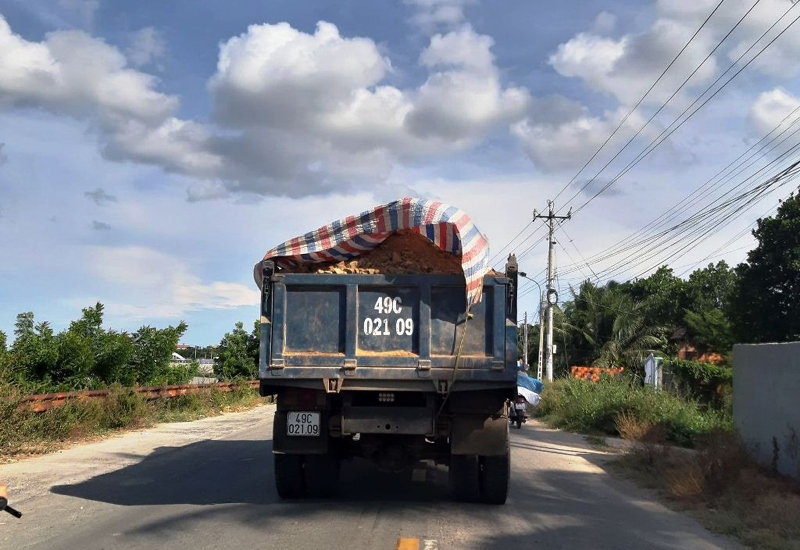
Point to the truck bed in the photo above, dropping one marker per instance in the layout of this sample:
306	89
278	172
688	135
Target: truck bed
359	330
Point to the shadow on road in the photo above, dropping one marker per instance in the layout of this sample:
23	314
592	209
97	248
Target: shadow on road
549	505
238	472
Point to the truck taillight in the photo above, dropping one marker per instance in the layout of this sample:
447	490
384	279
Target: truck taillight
308	398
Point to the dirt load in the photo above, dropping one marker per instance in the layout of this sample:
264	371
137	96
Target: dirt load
403	252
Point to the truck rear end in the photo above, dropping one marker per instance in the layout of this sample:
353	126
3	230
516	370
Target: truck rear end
391	368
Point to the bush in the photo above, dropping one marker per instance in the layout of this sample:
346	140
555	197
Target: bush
614	403
710	384
123	408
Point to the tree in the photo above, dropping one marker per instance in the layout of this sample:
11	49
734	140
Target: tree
237	354
152	353
710	287
34	352
4	366
710	330
708	292
607	327
766	298
663	295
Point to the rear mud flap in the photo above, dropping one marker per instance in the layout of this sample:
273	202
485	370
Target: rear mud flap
479	435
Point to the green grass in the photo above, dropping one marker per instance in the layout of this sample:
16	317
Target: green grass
23	431
598	408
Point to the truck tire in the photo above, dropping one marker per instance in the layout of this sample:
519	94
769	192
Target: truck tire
289	476
322	475
495	472
463	478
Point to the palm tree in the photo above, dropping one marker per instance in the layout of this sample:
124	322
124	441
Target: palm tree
608	328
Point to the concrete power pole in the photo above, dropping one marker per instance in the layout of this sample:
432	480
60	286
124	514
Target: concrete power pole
525	343
541	338
552	295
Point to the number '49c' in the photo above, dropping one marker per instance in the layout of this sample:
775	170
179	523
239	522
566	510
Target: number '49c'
387	304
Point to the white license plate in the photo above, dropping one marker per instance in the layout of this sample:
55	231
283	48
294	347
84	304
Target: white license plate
302	423
519	406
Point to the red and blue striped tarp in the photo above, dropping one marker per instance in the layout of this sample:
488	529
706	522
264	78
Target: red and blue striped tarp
445	226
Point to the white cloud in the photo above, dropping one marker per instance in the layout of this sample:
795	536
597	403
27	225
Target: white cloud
626	67
55	75
604	23
313	109
560	134
146	45
294	113
771	108
160	285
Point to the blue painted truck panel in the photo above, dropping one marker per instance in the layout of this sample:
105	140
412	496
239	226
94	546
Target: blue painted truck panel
385	327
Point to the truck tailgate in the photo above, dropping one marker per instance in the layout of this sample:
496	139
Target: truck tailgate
385	327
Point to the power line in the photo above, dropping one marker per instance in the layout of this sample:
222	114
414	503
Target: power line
663	105
499	254
699	221
672	213
641	99
670	130
738	204
561	226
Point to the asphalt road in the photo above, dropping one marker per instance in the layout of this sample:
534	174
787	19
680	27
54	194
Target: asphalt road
208	485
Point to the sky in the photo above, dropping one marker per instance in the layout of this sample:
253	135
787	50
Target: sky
152	151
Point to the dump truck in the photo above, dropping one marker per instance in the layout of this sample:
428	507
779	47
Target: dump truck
392	366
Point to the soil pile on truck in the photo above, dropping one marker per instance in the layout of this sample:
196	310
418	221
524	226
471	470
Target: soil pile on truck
402	252
386	337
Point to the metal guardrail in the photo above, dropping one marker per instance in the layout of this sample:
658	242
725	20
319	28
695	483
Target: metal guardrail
45	401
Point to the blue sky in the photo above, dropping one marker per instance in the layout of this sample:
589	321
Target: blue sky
152	152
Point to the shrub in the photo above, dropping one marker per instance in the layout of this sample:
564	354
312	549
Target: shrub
122	408
614	403
710	384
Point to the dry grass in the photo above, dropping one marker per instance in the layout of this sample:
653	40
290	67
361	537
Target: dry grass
23	432
724	489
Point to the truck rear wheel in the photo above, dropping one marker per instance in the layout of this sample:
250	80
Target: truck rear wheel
289	476
463	478
495	472
322	475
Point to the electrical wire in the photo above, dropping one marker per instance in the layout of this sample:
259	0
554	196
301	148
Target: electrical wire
731	170
667	132
641	99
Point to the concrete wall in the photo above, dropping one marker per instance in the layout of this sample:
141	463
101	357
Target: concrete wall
766	402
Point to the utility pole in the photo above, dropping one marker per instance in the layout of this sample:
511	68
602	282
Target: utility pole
552	295
541	337
525	343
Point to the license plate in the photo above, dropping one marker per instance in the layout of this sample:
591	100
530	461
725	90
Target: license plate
519	406
302	423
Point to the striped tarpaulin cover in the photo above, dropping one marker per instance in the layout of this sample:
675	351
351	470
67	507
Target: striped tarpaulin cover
446	226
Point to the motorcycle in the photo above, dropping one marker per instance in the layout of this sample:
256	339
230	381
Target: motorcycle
518	411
